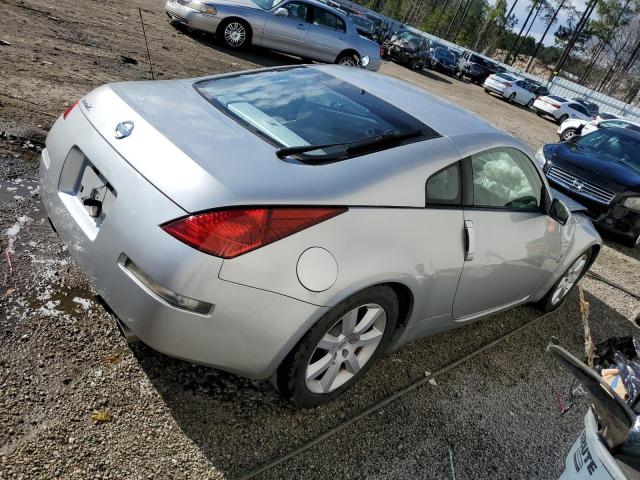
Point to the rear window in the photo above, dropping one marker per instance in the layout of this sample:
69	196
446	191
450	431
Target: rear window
304	106
505	76
558	99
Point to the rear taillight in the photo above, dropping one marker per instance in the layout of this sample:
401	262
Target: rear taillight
69	108
233	232
506	84
555	105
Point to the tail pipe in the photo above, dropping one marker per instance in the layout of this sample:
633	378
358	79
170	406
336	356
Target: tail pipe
126	332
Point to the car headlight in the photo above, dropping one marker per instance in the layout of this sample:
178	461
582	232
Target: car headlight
540	158
203	7
364	61
632	202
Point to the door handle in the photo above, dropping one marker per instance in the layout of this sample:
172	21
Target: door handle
470	240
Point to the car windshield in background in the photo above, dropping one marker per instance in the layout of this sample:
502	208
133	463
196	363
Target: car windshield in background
557	98
445	55
303	106
363	23
612	144
409	39
506	77
267	4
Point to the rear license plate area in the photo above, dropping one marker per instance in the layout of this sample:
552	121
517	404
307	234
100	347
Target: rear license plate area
95	194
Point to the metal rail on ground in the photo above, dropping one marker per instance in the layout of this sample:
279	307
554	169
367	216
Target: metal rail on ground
411	387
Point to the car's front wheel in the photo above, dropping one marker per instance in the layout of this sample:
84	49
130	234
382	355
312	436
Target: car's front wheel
530	103
235	34
348	60
558	293
339	348
568	134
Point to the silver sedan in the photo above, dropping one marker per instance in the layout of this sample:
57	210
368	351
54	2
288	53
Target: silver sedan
296	223
306	28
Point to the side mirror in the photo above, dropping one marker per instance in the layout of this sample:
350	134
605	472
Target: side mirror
559	211
281	12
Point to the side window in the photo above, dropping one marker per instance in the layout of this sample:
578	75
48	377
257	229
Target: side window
443	187
505	178
324	18
340	26
298	11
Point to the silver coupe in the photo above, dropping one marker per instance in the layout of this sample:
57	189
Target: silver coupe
306	28
295	223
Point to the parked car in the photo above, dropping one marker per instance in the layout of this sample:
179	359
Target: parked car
573	126
474	67
443	60
592	108
308	28
365	27
409	49
516	90
538	89
560	109
259	238
601	170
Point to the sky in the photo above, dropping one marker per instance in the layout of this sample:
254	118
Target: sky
522	9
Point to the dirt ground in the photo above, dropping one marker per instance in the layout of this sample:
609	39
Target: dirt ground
61	357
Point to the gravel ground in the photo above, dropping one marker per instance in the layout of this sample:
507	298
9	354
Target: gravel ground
61	357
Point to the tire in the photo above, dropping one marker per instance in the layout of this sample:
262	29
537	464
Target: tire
486	90
348	59
530	103
562	119
549	302
413	64
339	363
632	242
568	134
235	34
512	98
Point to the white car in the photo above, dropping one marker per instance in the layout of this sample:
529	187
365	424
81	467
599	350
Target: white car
512	88
574	126
560	108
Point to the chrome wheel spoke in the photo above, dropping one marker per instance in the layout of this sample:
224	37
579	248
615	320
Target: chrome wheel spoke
369	319
328	379
569	279
349	322
369	338
319	366
352	364
328	342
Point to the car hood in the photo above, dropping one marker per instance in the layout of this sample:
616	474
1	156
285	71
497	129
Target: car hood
616	172
202	159
235	3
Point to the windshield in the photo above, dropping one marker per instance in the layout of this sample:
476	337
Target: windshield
558	99
612	144
304	106
267	4
505	76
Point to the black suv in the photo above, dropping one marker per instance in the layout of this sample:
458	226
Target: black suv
476	68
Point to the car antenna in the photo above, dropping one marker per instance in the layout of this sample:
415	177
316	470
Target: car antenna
144	33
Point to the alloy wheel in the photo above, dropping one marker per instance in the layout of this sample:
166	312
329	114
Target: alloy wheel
569	134
512	98
569	279
345	348
235	34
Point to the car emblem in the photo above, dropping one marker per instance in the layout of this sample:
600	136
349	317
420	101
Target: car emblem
123	129
86	104
577	184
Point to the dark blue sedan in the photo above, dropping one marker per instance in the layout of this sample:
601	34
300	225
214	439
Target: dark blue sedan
601	170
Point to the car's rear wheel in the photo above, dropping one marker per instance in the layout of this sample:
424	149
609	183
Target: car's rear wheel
530	103
512	98
560	290
339	348
413	64
348	60
568	134
235	34
563	118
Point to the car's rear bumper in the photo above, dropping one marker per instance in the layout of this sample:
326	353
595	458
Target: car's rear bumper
543	107
247	331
